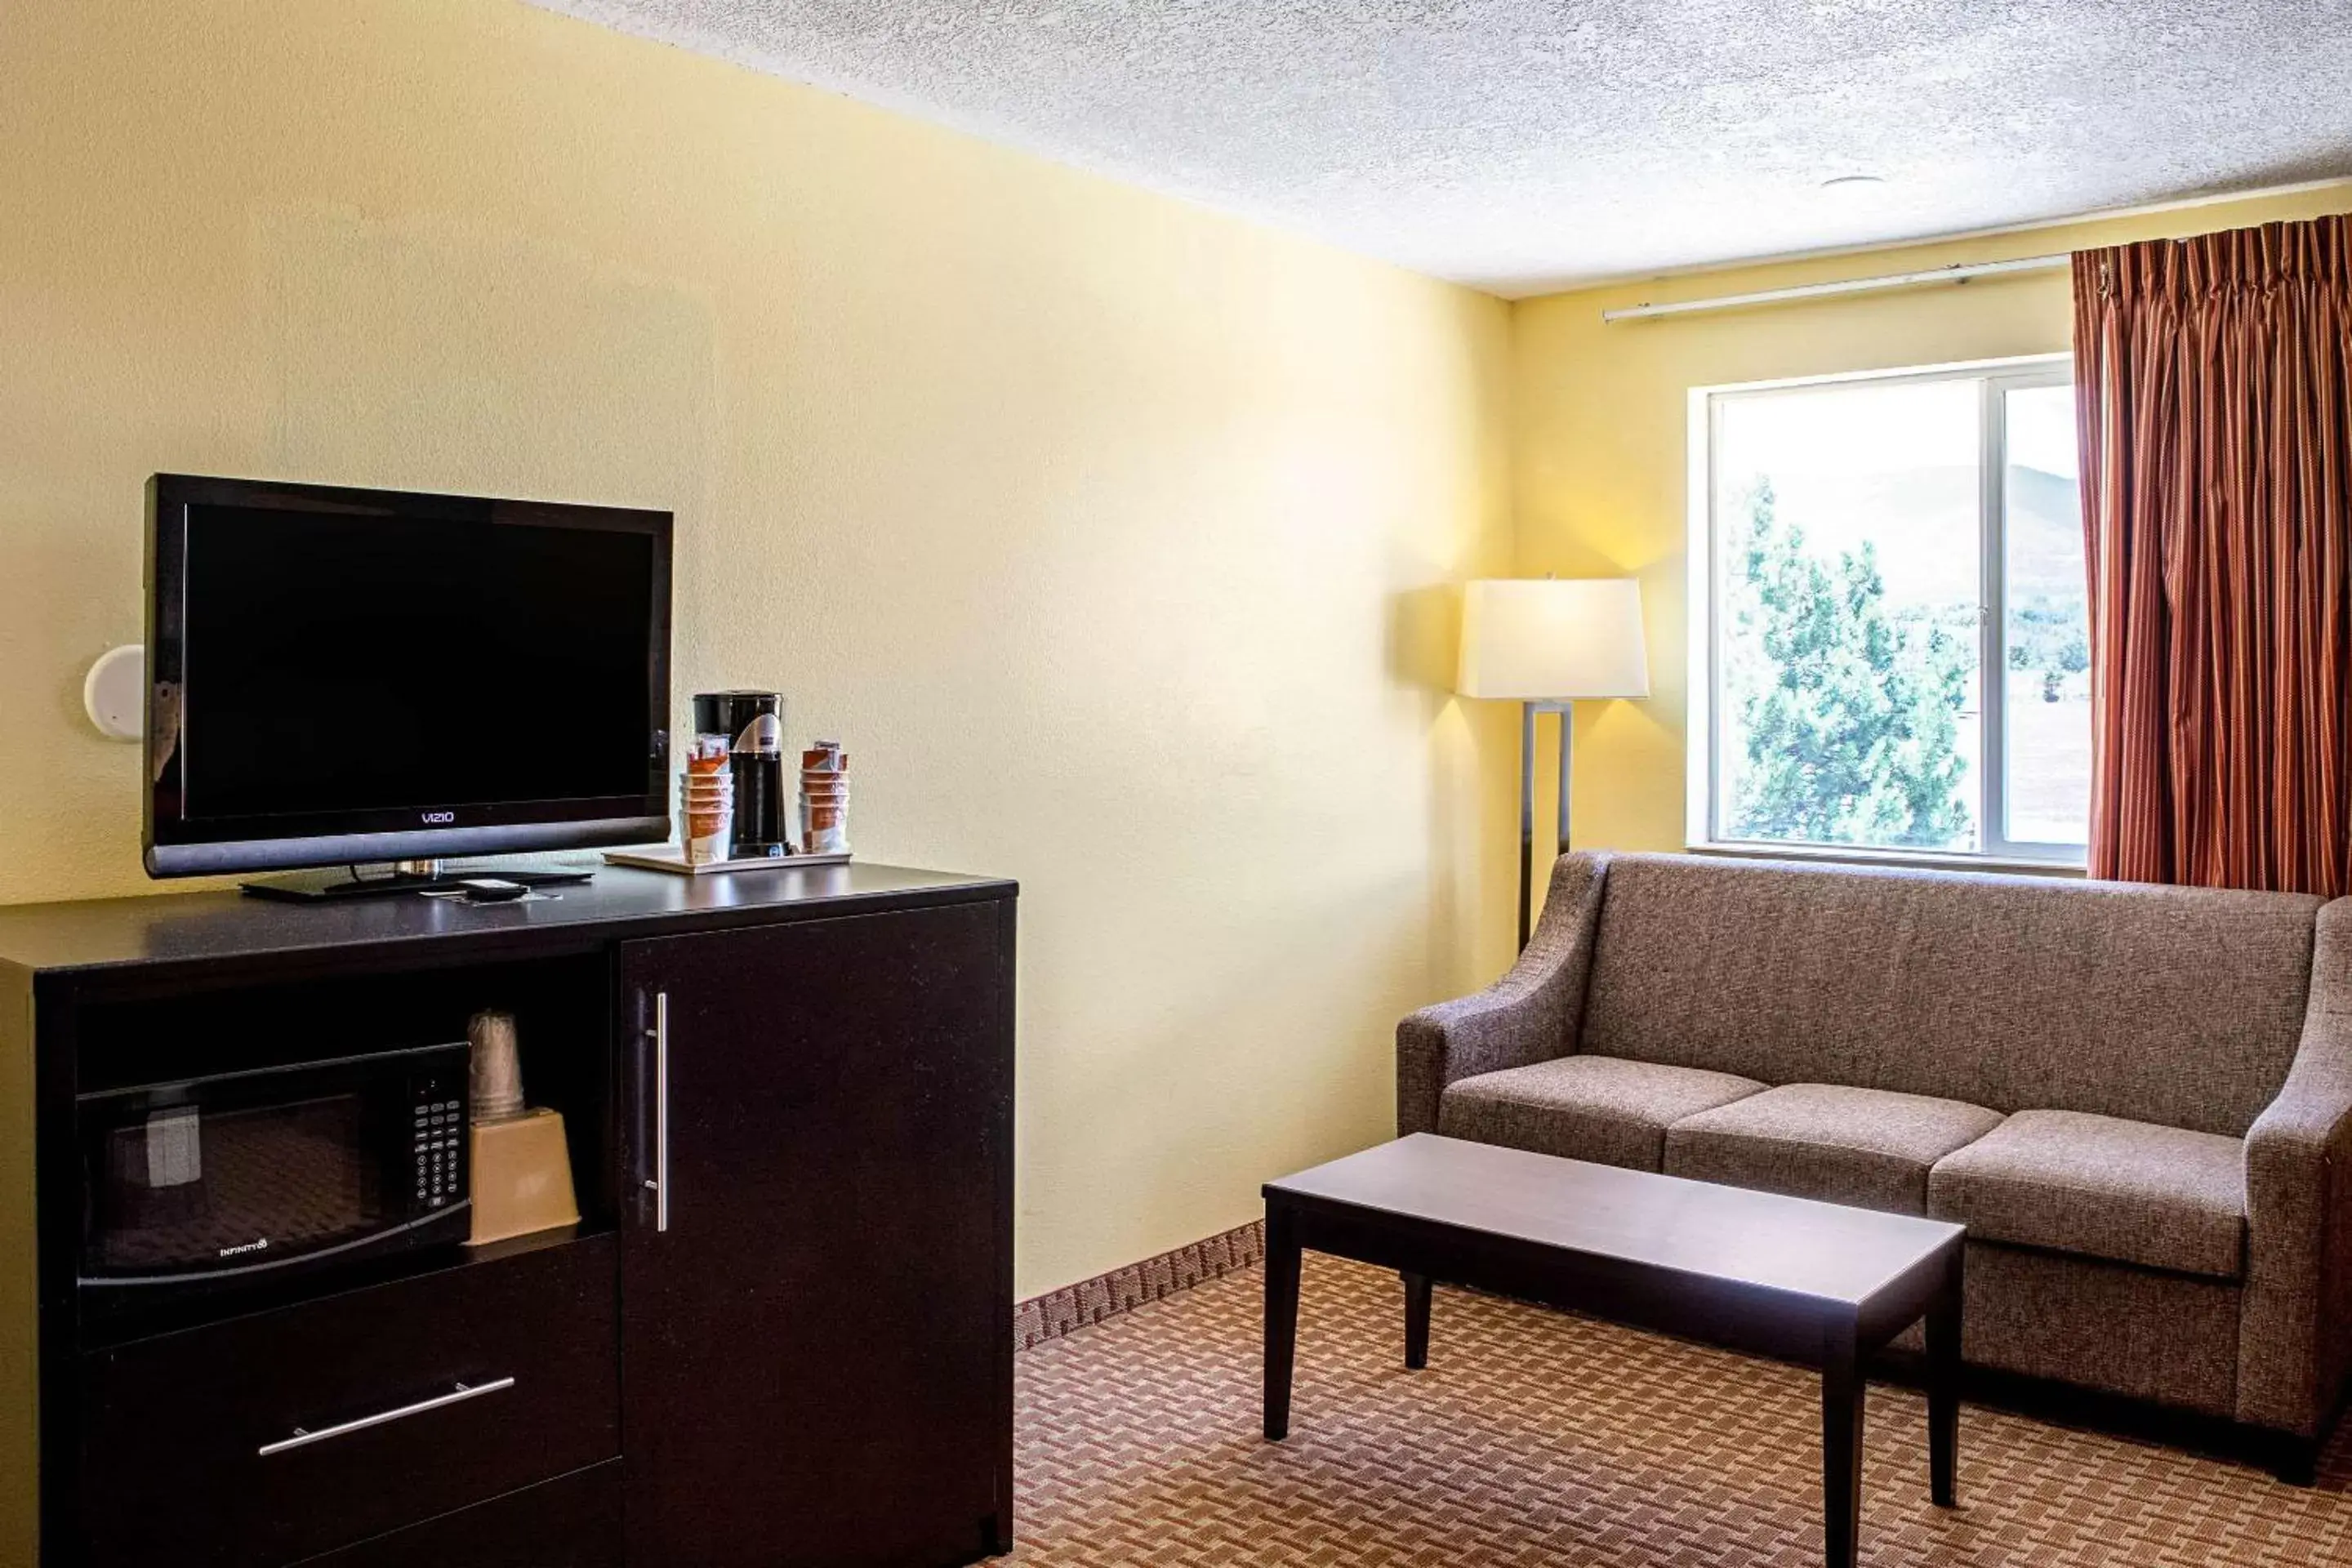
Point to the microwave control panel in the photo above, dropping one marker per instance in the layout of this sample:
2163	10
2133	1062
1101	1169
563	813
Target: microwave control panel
439	1136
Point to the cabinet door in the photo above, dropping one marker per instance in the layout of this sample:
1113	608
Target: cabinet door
816	1308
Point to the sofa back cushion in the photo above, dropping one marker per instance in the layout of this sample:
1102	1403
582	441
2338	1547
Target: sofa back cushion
2176	1005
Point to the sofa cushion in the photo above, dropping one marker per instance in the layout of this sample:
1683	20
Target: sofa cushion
2177	1005
1585	1108
2092	1184
1861	1146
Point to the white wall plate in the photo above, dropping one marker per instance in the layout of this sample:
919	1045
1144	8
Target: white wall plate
115	692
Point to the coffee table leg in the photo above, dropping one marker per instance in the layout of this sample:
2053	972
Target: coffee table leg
1944	1387
1841	1403
1416	1321
1281	1318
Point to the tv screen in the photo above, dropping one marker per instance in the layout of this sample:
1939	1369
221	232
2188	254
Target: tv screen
342	675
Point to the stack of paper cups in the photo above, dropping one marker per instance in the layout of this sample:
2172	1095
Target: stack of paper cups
707	798
825	799
497	1069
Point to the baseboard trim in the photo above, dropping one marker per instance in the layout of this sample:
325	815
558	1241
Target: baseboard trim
1073	1307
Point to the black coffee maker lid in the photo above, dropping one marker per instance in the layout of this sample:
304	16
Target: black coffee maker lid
730	710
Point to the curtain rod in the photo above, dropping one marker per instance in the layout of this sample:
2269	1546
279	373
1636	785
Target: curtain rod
1849	286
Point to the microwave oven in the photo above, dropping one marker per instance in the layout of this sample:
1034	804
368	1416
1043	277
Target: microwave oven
223	1180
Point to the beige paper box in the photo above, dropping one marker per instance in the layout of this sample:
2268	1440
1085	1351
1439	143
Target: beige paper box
522	1176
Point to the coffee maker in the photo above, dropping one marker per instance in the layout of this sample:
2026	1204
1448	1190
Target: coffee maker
752	723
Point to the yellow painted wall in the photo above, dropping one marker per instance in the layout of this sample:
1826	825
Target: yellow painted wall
1599	424
1112	535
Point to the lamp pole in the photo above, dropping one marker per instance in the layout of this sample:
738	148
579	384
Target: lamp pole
1528	711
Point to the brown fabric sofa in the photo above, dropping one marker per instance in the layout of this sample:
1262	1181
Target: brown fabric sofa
2137	1098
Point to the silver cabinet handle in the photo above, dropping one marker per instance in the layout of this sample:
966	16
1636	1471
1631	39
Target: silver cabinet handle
303	1437
660	1183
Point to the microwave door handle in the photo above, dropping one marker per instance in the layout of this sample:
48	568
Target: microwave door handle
658	1183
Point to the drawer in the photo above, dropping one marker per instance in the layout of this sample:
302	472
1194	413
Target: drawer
571	1522
285	1435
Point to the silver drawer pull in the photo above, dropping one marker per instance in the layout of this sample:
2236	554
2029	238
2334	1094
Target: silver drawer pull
660	1183
304	1437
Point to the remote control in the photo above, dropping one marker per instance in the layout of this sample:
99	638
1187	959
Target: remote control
492	890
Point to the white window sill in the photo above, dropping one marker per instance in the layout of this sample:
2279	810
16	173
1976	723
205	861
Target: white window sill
1916	860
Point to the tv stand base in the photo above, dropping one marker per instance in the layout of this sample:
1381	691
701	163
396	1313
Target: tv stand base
405	877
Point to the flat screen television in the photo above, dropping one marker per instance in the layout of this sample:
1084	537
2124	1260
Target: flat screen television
342	676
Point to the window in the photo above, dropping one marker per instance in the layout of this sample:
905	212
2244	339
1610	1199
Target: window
1888	603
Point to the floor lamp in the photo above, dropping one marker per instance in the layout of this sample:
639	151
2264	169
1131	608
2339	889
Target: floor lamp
1545	643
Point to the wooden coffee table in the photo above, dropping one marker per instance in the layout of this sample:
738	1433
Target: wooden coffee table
1811	1283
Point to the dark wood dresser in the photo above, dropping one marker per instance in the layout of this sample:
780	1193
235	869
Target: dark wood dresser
780	1334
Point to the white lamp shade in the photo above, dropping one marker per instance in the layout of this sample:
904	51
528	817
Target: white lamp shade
1539	639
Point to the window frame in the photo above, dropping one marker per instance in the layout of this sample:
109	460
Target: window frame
1703	764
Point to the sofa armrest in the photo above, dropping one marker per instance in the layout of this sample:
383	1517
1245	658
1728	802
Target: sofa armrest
2295	1342
1530	1015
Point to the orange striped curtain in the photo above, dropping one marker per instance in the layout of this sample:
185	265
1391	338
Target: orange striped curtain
2217	495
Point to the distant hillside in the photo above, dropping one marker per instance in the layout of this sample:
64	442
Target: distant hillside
2045	536
2045	526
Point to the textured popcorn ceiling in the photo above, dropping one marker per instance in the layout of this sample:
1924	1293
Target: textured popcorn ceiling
1522	145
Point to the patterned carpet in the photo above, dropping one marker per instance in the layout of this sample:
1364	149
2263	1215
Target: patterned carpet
1538	1438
